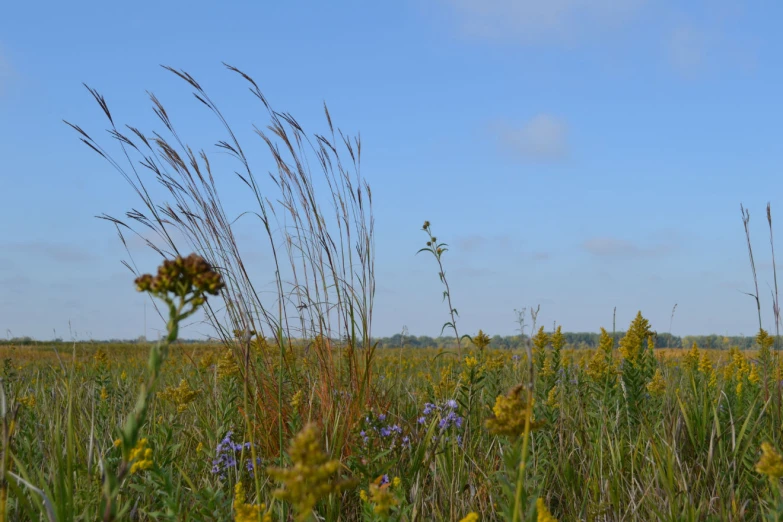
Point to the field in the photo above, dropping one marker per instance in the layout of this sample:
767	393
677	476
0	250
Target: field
295	412
619	433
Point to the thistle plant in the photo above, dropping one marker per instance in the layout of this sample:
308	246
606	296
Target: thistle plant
183	285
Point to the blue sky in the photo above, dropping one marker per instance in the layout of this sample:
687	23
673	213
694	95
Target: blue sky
576	154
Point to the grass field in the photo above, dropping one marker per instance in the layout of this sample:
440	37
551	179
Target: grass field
310	420
620	433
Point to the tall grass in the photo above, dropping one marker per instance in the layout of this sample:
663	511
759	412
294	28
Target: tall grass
322	244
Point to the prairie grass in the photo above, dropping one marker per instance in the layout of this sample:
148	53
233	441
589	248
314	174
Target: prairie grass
687	454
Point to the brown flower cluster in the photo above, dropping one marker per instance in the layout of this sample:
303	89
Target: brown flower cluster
182	276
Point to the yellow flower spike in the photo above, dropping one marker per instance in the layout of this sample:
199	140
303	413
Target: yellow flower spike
227	366
181	395
244	512
470	517
657	386
551	398
754	374
296	400
101	358
544	515
771	462
396	482
140	456
509	414
311	476
546	370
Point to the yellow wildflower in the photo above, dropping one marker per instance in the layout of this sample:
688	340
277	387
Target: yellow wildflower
770	463
200	447
632	344
691	359
117	443
207	360
657	385
597	367
543	512
363	495
244	512
296	400
481	340
382	497
227	365
101	358
180	395
123	375
705	366
140	456
104	393
551	398
28	401
754	374
311	475
470	517
546	370
471	362
509	414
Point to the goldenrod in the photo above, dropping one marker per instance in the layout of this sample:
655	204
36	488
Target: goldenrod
181	395
771	462
311	475
657	386
140	456
509	414
544	514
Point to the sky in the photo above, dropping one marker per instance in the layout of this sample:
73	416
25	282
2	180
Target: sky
578	155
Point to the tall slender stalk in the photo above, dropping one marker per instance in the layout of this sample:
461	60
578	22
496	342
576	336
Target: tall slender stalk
745	223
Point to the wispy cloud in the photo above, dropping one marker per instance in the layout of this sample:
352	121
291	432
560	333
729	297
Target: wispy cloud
535	20
15	284
477	242
58	252
611	247
688	48
544	137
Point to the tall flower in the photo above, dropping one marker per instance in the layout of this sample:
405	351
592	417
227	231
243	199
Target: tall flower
311	476
509	414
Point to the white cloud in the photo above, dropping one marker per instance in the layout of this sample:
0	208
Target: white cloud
542	138
611	247
687	48
533	20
